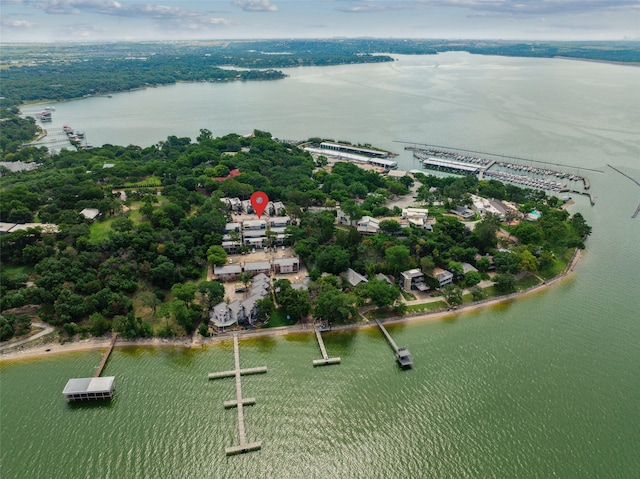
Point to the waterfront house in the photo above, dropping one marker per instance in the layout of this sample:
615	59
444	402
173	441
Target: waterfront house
413	279
224	315
443	276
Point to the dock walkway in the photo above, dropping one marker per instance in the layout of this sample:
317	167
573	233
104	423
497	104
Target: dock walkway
239	402
106	355
326	360
402	354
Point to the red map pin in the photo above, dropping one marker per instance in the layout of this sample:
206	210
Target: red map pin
259	202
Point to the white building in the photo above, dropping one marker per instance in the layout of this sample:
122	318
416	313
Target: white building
368	225
413	279
443	276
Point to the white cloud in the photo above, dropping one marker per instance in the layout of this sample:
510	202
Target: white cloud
491	7
255	5
9	23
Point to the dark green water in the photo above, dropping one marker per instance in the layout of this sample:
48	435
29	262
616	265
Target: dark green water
547	386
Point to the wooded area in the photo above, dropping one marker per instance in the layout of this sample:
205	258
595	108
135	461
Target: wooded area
147	256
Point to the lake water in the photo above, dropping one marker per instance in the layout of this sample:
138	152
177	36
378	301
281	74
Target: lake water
546	386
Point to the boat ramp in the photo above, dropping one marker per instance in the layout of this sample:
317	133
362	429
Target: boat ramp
239	402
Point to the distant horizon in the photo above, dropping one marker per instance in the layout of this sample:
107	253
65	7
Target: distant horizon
97	21
336	38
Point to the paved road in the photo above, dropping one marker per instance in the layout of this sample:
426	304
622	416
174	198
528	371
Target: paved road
46	330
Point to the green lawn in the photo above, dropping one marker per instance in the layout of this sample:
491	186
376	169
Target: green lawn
278	318
99	230
11	270
149	181
425	307
527	282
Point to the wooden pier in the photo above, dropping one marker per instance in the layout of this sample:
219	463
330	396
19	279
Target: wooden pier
239	402
326	360
402	354
106	356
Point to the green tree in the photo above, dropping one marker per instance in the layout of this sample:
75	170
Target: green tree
398	258
245	279
381	293
332	259
390	226
472	278
264	308
505	283
184	292
478	293
335	306
212	293
216	255
526	261
452	294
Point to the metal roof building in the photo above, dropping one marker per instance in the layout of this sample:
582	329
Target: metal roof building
84	389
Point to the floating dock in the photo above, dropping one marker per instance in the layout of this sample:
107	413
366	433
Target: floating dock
239	402
326	360
402	354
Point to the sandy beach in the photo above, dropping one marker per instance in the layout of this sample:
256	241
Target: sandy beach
50	344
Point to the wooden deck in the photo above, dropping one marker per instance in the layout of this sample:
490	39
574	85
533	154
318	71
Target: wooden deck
106	355
239	402
402	354
326	360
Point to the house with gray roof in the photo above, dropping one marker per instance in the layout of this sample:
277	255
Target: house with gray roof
256	267
354	278
224	315
286	265
227	272
443	276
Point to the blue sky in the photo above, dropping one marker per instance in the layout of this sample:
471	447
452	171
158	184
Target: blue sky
106	20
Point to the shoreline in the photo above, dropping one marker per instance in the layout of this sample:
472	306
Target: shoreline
52	347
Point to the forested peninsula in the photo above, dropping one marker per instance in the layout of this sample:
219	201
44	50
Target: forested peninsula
62	71
145	262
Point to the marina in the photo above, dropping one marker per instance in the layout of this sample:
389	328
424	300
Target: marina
527	176
239	402
376	158
402	354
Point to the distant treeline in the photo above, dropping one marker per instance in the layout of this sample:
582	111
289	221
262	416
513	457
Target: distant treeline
57	72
